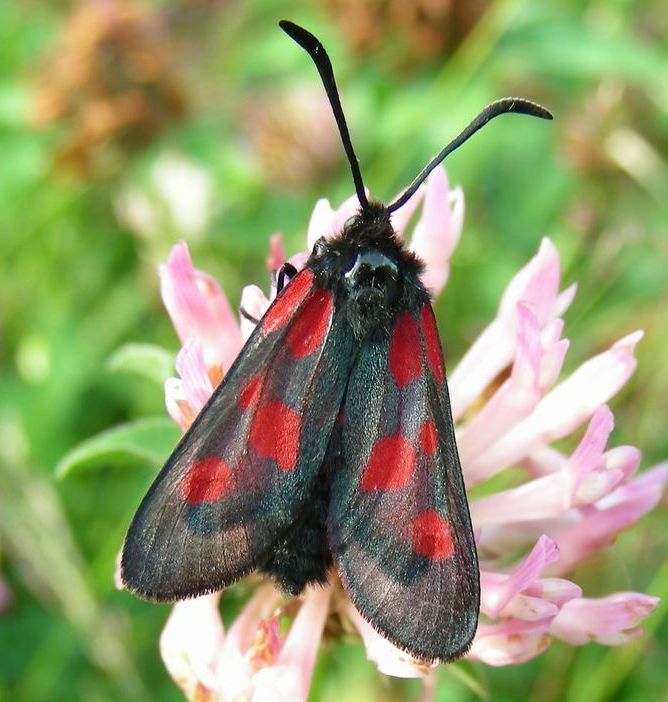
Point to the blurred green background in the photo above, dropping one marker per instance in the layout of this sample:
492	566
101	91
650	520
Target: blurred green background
102	103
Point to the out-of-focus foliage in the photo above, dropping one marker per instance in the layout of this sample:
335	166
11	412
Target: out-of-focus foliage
129	93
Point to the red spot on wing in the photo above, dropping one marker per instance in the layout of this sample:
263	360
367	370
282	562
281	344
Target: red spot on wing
405	358
274	434
312	324
207	480
249	396
391	465
287	302
430	536
428	437
432	343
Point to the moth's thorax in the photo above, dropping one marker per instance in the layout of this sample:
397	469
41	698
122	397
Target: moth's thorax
370	270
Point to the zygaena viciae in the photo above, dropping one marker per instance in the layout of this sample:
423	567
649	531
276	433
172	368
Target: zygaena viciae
330	444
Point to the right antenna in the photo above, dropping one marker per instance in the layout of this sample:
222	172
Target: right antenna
499	107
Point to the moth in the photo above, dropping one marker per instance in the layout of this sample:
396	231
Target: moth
329	445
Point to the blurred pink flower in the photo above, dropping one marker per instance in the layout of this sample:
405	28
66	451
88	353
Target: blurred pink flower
568	508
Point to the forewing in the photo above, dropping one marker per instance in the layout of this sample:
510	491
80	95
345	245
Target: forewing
399	524
242	472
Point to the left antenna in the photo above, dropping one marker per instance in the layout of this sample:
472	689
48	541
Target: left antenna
317	52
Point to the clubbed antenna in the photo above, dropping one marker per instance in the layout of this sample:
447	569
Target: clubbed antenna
499	107
317	52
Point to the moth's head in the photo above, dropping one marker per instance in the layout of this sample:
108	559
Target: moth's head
372	280
374	273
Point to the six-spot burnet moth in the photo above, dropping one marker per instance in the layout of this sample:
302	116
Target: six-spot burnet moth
329	444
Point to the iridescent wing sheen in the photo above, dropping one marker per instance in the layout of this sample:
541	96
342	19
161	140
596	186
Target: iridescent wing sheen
399	525
243	471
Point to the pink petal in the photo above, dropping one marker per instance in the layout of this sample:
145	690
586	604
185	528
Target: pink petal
584	478
622	459
588	456
290	677
514	400
389	659
190	644
438	230
241	634
614	513
537	499
510	642
544	461
196	383
199	309
235	670
401	217
542	554
554	352
321	223
611	620
328	222
177	406
556	590
255	303
276	257
564	299
562	411
552	332
530	608
498	592
537	285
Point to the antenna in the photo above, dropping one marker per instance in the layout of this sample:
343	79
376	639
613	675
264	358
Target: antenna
317	52
499	107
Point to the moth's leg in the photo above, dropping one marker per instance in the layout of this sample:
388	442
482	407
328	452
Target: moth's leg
285	274
247	315
287	270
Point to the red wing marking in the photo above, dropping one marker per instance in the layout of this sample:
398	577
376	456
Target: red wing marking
275	434
432	343
308	331
428	437
405	357
391	465
249	396
430	536
284	307
208	480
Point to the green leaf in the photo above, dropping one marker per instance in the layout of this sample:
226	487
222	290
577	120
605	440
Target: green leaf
146	441
466	675
147	360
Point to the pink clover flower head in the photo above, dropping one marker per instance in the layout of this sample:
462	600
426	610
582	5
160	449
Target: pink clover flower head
567	508
253	660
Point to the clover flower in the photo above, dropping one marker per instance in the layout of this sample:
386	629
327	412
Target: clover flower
567	508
